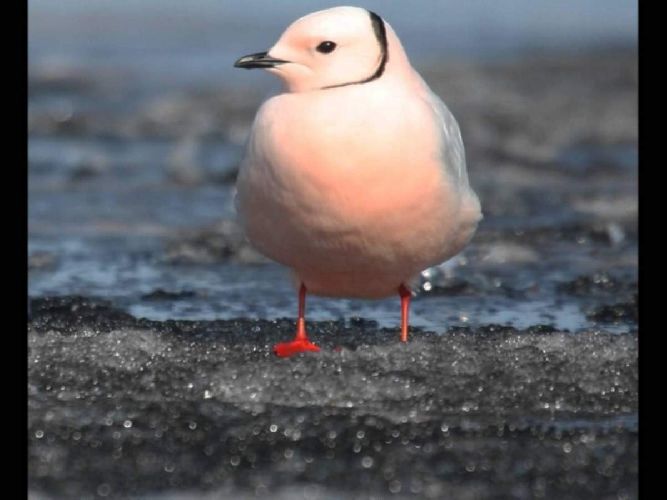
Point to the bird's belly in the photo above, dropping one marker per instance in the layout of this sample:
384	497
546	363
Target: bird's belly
347	236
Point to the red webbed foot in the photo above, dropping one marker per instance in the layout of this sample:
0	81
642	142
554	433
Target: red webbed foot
285	349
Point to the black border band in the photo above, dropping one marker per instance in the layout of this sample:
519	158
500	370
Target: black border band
381	35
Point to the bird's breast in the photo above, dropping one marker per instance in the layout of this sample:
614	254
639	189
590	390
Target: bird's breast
355	183
355	148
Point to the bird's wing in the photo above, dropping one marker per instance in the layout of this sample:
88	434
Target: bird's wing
453	153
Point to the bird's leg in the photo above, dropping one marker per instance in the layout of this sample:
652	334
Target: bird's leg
405	294
300	342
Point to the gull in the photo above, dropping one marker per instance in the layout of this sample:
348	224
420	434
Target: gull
354	177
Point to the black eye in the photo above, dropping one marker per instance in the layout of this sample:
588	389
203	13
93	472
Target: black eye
326	47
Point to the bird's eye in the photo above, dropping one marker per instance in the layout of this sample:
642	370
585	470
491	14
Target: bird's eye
326	47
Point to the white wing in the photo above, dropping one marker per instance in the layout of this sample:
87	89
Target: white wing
453	159
453	153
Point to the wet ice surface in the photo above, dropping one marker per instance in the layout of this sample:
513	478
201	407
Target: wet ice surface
520	378
463	292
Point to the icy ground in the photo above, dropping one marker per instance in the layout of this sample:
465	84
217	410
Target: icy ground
120	406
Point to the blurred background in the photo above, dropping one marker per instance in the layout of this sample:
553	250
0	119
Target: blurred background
137	121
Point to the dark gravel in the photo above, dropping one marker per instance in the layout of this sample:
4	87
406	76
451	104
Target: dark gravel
120	406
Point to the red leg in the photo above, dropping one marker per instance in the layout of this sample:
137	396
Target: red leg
300	342
405	311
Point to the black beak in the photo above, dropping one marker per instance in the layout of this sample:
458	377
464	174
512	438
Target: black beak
258	60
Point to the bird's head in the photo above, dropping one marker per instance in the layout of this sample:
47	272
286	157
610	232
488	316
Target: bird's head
327	49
